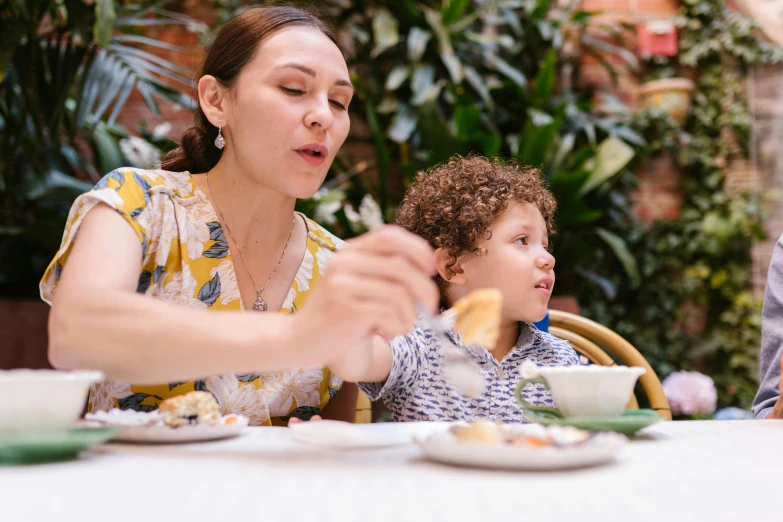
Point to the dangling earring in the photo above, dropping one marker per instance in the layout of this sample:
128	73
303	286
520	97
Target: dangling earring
220	141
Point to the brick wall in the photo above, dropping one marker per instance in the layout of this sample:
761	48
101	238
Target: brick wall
658	196
632	12
136	111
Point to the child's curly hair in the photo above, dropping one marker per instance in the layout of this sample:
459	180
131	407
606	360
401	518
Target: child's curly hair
453	204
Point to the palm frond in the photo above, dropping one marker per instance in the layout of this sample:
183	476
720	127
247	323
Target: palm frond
124	65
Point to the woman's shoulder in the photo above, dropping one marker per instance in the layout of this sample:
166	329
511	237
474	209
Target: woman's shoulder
148	181
322	236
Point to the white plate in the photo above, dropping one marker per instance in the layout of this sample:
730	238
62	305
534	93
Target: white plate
164	434
343	435
445	448
149	428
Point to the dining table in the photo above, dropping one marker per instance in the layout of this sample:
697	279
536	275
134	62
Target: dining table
681	470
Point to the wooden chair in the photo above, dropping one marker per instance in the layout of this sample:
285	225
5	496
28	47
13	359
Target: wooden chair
585	336
363	409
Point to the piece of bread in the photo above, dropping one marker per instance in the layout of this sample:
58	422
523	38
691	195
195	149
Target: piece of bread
479	431
478	317
196	407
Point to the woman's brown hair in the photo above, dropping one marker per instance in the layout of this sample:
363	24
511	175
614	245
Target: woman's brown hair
234	46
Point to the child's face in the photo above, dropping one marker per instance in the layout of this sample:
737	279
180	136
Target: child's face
516	262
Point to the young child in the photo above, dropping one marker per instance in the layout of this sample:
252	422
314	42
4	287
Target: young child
489	222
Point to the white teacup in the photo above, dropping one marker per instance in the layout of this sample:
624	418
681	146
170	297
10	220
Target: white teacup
42	400
582	391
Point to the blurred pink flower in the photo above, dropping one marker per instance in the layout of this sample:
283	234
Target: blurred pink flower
690	393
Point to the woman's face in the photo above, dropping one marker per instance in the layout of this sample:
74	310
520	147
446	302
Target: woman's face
286	116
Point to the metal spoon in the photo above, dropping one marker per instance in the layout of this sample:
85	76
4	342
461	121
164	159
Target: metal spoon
459	368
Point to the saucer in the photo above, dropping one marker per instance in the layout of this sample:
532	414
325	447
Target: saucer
51	446
628	423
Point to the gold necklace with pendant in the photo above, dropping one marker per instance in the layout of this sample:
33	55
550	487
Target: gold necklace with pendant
259	304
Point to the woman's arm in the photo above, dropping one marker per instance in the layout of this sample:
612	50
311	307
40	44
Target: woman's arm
99	321
370	363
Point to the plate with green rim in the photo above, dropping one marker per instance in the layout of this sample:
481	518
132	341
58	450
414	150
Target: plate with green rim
34	448
628	423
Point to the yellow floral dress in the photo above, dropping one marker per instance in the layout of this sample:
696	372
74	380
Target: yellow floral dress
186	261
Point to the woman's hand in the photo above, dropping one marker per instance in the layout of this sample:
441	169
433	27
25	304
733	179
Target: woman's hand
370	287
297	420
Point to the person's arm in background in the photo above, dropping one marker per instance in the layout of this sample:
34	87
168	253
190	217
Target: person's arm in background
768	403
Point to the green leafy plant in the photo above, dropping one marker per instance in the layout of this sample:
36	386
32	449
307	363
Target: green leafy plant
435	78
67	70
695	310
441	78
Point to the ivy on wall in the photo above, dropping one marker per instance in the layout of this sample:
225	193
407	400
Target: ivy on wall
697	269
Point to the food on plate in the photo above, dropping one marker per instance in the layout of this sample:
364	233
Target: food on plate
196	407
231	418
530	435
478	317
480	431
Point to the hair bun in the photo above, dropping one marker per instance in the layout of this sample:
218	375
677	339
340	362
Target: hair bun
197	152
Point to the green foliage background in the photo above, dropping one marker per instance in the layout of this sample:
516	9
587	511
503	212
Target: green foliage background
435	78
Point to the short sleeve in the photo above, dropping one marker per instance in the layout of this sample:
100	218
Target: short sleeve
125	190
335	383
407	361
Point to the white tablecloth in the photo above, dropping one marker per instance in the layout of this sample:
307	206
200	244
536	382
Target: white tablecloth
694	471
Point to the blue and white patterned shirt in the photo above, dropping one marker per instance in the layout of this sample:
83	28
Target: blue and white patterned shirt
417	390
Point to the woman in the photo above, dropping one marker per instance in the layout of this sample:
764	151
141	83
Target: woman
160	252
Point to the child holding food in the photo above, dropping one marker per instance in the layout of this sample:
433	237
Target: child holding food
489	222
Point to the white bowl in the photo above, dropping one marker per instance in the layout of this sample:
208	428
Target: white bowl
588	391
38	400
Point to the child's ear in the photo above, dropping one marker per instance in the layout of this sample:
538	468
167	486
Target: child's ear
452	273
